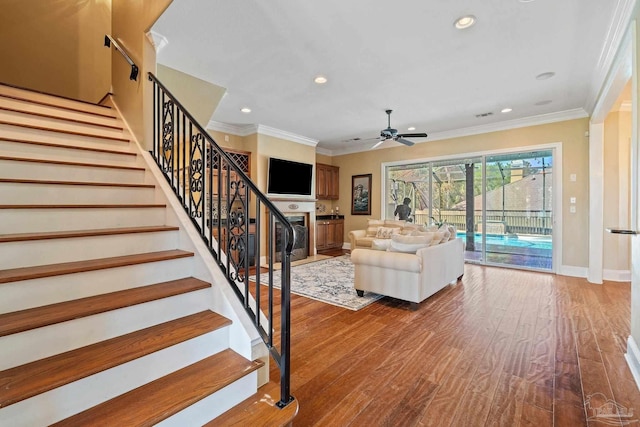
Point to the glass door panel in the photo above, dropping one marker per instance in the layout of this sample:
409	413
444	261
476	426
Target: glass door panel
517	225
455	187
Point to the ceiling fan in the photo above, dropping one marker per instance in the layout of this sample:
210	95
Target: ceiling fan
390	133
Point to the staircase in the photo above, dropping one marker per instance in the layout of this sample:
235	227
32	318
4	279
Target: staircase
107	313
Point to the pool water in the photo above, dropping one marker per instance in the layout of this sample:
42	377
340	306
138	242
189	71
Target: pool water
531	242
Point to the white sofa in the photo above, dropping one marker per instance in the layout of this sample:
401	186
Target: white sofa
407	276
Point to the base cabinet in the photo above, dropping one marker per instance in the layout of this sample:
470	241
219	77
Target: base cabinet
329	234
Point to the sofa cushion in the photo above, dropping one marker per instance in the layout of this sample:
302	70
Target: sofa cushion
372	226
408	244
394	223
386	232
380	244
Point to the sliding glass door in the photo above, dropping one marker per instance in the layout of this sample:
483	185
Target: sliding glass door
501	205
517	209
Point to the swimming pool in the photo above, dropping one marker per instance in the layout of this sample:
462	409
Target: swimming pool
531	242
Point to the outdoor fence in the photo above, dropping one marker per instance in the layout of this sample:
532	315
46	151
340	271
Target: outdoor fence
514	222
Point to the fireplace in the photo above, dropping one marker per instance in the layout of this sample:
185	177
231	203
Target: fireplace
300	239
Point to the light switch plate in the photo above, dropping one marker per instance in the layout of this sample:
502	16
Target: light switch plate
572	177
572	200
572	209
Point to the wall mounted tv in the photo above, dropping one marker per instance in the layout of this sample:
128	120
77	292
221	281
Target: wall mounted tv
289	178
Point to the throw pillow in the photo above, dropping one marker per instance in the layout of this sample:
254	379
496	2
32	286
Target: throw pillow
453	231
386	232
408	244
438	237
380	244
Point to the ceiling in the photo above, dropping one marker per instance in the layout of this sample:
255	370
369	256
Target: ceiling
406	56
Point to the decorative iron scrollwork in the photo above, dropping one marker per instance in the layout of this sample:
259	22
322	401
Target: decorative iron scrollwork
167	136
196	175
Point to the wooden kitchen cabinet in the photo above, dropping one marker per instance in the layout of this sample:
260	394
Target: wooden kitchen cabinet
327	182
329	233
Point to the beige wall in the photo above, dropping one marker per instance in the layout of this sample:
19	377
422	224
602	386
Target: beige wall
571	134
130	22
199	97
617	152
56	47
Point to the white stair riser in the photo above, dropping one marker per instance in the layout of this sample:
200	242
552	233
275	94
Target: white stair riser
50	290
214	405
42	220
9	130
31	151
50	340
88	392
13	132
28	194
56	172
59	124
6	90
28	107
53	251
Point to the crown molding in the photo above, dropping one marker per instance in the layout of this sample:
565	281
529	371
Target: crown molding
158	40
283	134
610	54
561	116
238	130
245	130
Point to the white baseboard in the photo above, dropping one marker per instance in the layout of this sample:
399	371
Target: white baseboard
617	275
570	270
633	359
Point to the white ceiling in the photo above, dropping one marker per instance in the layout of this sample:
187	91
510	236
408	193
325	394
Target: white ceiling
404	55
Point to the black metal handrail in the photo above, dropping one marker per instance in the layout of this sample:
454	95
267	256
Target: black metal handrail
226	206
108	40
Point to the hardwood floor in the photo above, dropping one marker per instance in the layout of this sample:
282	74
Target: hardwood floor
500	348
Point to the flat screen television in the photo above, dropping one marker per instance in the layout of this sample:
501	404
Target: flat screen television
289	178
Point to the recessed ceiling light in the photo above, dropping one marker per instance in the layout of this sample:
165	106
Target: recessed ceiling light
506	110
545	102
525	1
320	80
245	110
545	76
411	128
464	22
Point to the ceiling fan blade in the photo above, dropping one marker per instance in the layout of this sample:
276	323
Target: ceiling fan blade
413	135
405	141
377	144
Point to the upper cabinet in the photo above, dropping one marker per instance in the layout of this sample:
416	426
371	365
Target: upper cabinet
327	182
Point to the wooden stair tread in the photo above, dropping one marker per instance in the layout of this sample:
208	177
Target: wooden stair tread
71	147
107	113
66	119
159	399
67	163
70	132
91	206
259	410
24	92
22	237
87	183
26	273
37	317
25	381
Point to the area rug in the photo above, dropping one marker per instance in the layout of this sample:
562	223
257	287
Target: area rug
307	260
329	281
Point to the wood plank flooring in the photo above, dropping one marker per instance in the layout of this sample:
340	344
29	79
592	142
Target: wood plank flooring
500	348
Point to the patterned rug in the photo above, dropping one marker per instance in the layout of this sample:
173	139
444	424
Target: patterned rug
329	281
